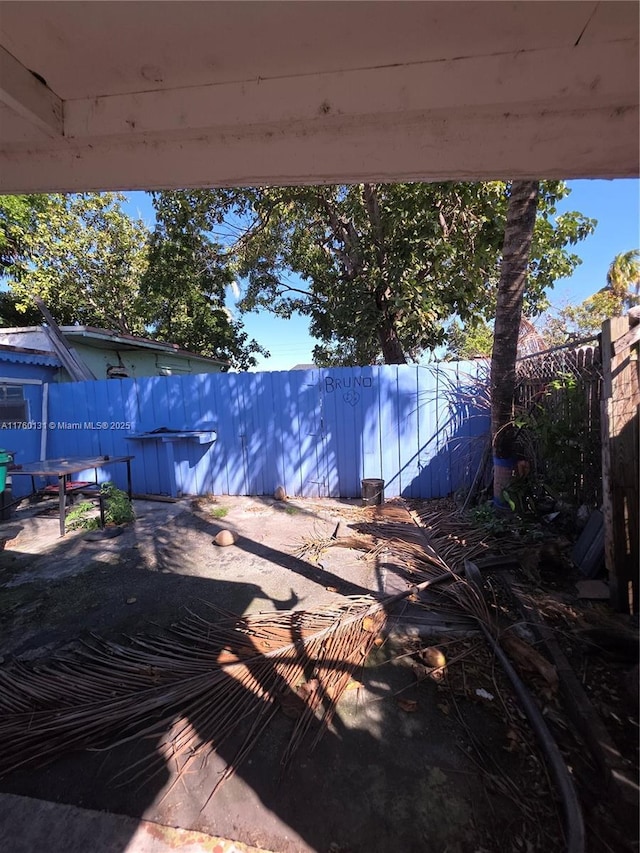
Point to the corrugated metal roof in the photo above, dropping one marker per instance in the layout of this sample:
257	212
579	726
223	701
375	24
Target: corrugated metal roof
92	336
18	355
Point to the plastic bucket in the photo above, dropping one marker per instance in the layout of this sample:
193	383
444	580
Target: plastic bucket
5	458
372	492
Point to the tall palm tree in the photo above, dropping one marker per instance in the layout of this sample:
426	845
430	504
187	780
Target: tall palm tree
518	234
623	277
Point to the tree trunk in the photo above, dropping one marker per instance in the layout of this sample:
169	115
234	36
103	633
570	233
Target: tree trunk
390	343
521	218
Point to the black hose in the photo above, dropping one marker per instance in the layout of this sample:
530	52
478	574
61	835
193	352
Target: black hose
573	820
574	823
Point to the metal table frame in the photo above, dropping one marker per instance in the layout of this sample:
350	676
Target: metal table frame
63	469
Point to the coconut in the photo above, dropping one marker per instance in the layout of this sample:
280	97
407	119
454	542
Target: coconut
225	537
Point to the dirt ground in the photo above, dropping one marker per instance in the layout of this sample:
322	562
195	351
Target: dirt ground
408	765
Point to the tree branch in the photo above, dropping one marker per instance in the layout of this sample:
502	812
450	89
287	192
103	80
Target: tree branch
345	233
373	212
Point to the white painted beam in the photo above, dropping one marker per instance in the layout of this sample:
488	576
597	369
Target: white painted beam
433	146
571	77
29	97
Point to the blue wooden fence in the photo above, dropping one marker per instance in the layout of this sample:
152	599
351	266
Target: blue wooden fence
316	432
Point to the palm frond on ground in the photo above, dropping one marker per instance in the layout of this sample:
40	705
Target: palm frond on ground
221	672
208	682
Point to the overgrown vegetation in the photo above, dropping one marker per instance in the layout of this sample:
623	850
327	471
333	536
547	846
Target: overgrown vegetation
117	510
553	435
79	517
557	453
514	525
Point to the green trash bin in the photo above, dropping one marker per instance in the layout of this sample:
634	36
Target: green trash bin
5	458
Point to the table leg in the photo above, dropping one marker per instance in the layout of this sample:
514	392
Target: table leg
171	468
101	506
62	495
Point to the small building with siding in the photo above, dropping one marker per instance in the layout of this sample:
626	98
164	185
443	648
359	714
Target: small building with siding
111	355
29	364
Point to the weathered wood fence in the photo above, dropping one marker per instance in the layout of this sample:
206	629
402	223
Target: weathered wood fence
620	471
560	390
591	395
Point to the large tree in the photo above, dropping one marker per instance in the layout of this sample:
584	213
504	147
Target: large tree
381	267
84	257
188	275
94	265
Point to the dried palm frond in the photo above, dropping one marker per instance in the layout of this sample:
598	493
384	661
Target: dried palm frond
205	681
313	548
216	673
453	538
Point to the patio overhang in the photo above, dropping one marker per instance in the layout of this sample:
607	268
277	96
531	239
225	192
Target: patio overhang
160	95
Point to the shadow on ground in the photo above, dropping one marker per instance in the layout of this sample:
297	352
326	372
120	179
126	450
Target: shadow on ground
380	779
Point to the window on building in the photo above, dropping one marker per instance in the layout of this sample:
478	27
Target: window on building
168	366
13	406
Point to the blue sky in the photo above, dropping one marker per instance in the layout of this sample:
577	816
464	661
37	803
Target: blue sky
615	204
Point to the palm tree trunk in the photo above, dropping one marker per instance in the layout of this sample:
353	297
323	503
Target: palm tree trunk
521	218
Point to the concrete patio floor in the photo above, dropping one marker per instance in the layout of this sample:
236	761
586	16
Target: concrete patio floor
29	825
380	779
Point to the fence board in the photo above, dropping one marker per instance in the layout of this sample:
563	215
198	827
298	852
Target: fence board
371	434
426	432
408	430
389	417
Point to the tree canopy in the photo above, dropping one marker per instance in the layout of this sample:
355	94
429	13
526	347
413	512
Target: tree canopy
18	217
84	257
384	266
379	269
94	265
188	274
472	341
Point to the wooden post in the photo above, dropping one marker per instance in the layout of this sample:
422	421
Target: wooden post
620	414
